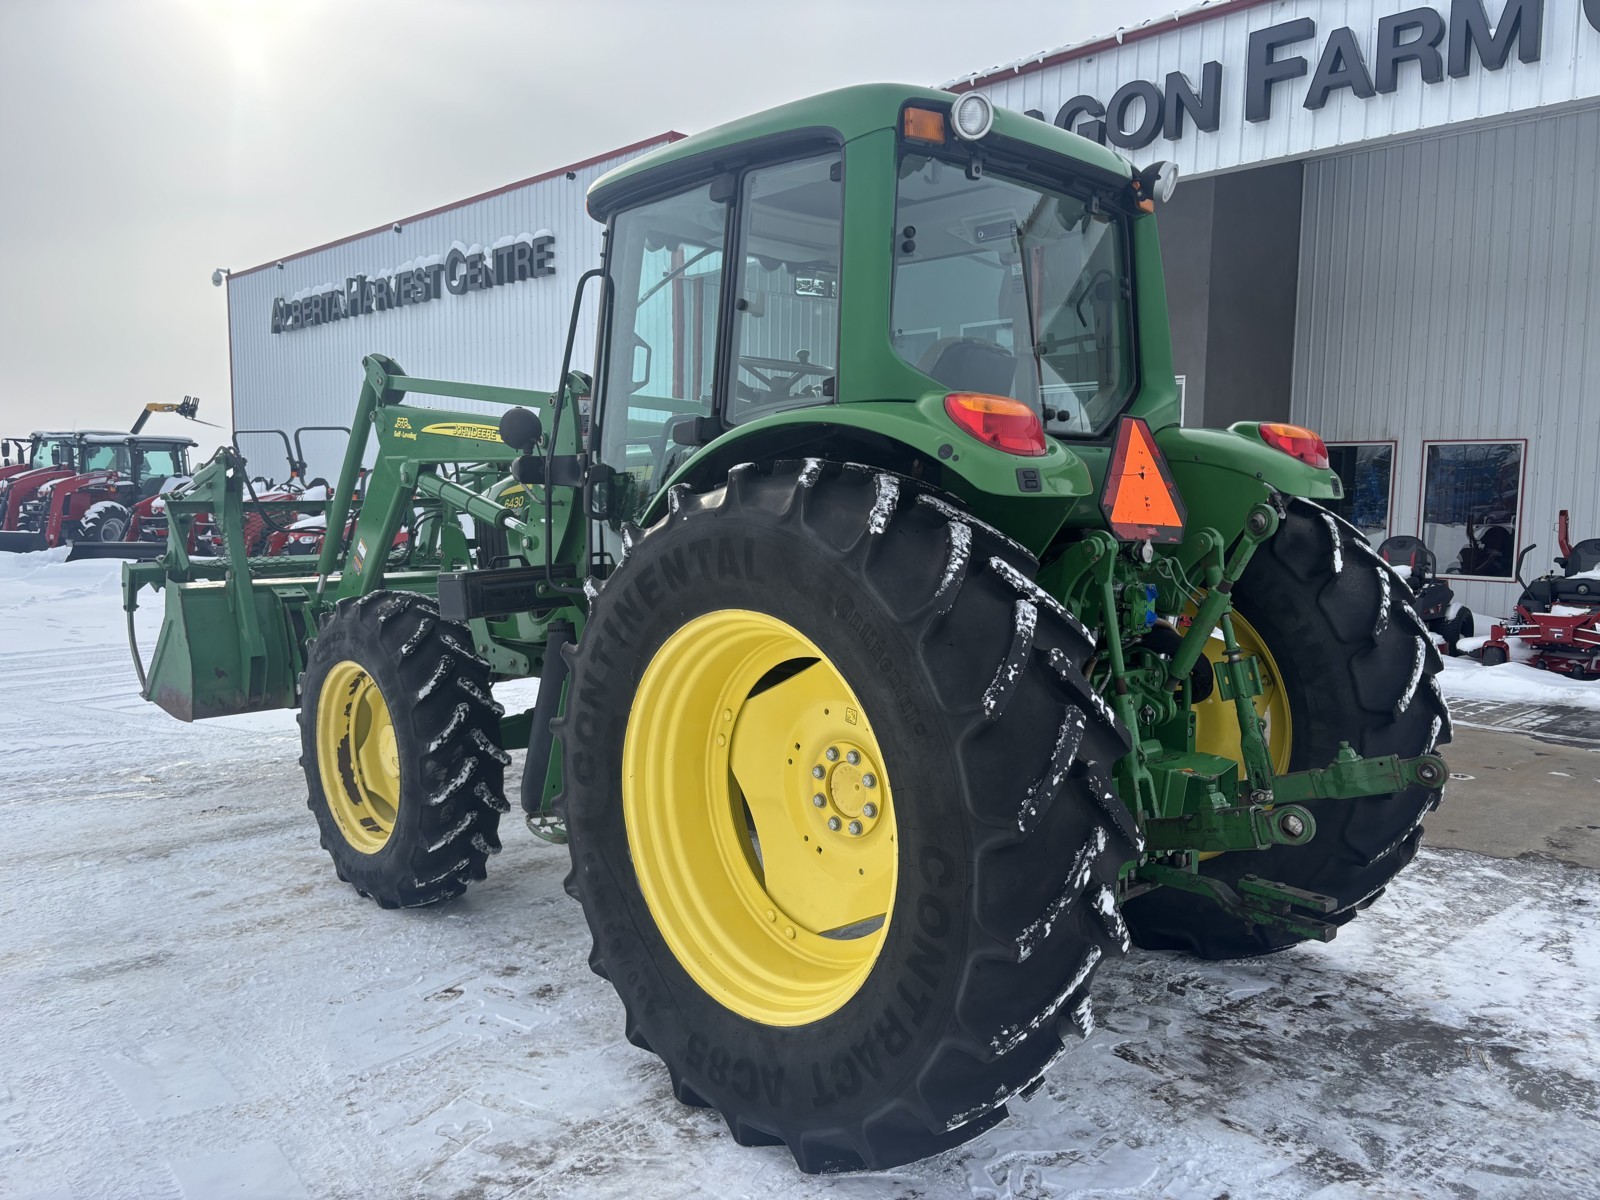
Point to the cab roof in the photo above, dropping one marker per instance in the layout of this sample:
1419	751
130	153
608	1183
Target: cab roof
847	113
101	437
105	438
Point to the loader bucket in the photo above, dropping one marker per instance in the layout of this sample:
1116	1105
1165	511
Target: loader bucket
14	542
203	666
144	551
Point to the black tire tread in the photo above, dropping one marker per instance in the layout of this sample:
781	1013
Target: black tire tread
1021	985
444	712
1321	567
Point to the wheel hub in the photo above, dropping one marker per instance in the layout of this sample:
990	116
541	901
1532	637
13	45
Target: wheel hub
759	817
849	787
358	757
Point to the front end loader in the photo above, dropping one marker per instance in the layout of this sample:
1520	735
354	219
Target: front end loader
902	658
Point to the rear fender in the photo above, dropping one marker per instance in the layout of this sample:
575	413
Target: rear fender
1223	472
1028	497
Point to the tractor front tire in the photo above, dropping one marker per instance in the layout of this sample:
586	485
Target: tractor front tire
400	747
839	809
1355	664
106	521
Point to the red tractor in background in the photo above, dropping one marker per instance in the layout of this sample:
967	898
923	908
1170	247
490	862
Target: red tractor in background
27	464
91	488
1557	616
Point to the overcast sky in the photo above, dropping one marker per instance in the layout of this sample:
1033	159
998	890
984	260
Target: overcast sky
144	143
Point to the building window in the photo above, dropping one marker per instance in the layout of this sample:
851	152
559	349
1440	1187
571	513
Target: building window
1367	471
1471	501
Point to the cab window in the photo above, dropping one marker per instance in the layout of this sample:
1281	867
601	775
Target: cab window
786	304
666	260
106	458
163	462
1015	289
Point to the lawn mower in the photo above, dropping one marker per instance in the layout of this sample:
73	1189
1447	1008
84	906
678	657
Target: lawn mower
1557	618
1578	584
886	689
1433	598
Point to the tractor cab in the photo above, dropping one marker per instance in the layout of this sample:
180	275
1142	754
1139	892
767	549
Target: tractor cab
992	300
37	451
42	459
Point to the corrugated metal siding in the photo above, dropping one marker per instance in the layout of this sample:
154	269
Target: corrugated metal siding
1448	290
510	335
1568	70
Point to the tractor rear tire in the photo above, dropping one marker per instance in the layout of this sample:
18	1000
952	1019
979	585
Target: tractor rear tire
1358	665
1000	837
106	521
400	748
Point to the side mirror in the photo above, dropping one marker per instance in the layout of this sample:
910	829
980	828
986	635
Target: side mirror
521	429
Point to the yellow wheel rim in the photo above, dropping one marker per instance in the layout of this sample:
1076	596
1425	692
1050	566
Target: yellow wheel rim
1217	720
759	817
358	758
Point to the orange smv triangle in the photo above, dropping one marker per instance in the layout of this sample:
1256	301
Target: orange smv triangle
1140	502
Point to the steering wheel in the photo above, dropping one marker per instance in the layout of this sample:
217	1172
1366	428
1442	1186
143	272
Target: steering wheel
782	377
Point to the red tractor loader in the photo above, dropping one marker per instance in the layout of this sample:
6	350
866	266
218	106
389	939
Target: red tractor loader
89	488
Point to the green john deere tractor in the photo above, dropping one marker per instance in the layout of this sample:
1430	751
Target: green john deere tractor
902	657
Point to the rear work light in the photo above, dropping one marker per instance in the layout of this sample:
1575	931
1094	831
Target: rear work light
1297	442
998	421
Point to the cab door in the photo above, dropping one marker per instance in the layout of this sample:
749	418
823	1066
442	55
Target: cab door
702	339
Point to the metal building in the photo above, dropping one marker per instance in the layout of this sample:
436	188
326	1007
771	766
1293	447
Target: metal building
480	289
1386	231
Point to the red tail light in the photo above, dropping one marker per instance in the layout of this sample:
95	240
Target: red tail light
1297	442
998	421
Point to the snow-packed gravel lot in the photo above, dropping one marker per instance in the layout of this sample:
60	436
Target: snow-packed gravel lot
192	1005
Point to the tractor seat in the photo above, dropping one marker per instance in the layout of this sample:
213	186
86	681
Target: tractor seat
968	364
1585	557
1409	552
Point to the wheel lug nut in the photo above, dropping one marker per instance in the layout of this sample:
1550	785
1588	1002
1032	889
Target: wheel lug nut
852	758
855	828
831	754
819	800
817	772
869	809
869	780
833	824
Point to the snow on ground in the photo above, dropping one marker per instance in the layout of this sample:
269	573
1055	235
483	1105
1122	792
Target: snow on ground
1515	683
194	1006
